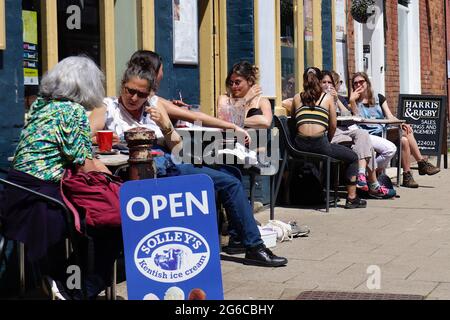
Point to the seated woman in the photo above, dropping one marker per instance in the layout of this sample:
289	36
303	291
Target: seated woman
315	115
244	96
241	85
134	108
366	104
361	143
56	137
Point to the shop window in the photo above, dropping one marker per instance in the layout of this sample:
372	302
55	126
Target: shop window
308	23
79	28
288	49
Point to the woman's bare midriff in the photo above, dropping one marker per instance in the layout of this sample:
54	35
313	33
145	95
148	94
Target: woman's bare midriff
311	130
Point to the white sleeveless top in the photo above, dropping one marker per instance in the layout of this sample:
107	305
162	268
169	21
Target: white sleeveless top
119	120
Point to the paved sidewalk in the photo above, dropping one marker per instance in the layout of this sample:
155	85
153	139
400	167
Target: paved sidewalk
408	238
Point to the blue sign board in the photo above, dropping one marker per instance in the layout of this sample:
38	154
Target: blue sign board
171	239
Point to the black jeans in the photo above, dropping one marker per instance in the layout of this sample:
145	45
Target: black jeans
321	145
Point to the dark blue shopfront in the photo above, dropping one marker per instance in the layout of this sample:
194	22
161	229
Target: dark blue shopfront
11	82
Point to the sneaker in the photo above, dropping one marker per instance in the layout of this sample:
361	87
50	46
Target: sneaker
355	203
54	289
361	182
234	247
426	168
408	180
286	231
298	231
382	192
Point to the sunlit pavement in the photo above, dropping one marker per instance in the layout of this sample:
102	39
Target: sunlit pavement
399	246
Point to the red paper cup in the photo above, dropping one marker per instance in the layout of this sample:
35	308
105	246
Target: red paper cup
104	140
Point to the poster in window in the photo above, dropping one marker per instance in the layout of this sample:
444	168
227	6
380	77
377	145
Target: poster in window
30	48
185	32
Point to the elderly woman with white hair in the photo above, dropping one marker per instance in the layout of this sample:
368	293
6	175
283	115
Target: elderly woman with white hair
56	137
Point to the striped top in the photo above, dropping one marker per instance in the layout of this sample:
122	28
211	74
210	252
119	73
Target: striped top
315	115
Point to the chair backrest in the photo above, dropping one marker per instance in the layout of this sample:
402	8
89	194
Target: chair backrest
282	123
287	129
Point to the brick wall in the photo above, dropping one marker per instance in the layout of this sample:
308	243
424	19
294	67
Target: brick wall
350	43
432	49
392	76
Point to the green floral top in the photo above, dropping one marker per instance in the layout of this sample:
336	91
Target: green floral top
56	136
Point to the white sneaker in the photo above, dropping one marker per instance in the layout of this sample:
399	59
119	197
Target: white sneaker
51	289
287	231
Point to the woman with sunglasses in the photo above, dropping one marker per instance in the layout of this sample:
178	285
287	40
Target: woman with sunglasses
366	104
138	106
243	92
315	116
361	143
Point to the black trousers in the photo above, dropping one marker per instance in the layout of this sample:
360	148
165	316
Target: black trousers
321	145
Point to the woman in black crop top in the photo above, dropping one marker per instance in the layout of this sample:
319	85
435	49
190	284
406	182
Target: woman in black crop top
243	92
316	123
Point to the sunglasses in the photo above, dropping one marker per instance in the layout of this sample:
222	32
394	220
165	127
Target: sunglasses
235	82
140	94
358	83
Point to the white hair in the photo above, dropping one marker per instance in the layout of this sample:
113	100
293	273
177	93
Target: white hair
77	79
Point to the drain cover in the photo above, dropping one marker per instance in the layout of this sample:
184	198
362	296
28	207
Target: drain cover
337	295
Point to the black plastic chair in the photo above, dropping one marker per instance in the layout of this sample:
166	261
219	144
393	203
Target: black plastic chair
291	154
74	237
269	170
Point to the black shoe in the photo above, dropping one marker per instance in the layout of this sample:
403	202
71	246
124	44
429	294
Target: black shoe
234	247
263	257
355	203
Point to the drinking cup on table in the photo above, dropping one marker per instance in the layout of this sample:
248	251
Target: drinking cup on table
104	140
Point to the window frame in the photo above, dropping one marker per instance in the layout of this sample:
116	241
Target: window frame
146	33
2	26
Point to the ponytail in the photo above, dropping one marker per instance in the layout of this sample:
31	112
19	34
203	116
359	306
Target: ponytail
312	90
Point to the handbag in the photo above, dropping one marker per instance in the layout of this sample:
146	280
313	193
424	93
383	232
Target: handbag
93	196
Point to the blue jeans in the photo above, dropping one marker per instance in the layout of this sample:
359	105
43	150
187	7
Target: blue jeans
234	199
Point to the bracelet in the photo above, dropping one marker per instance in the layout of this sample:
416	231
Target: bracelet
167	130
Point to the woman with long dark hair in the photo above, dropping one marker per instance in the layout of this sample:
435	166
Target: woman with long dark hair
315	116
241	84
